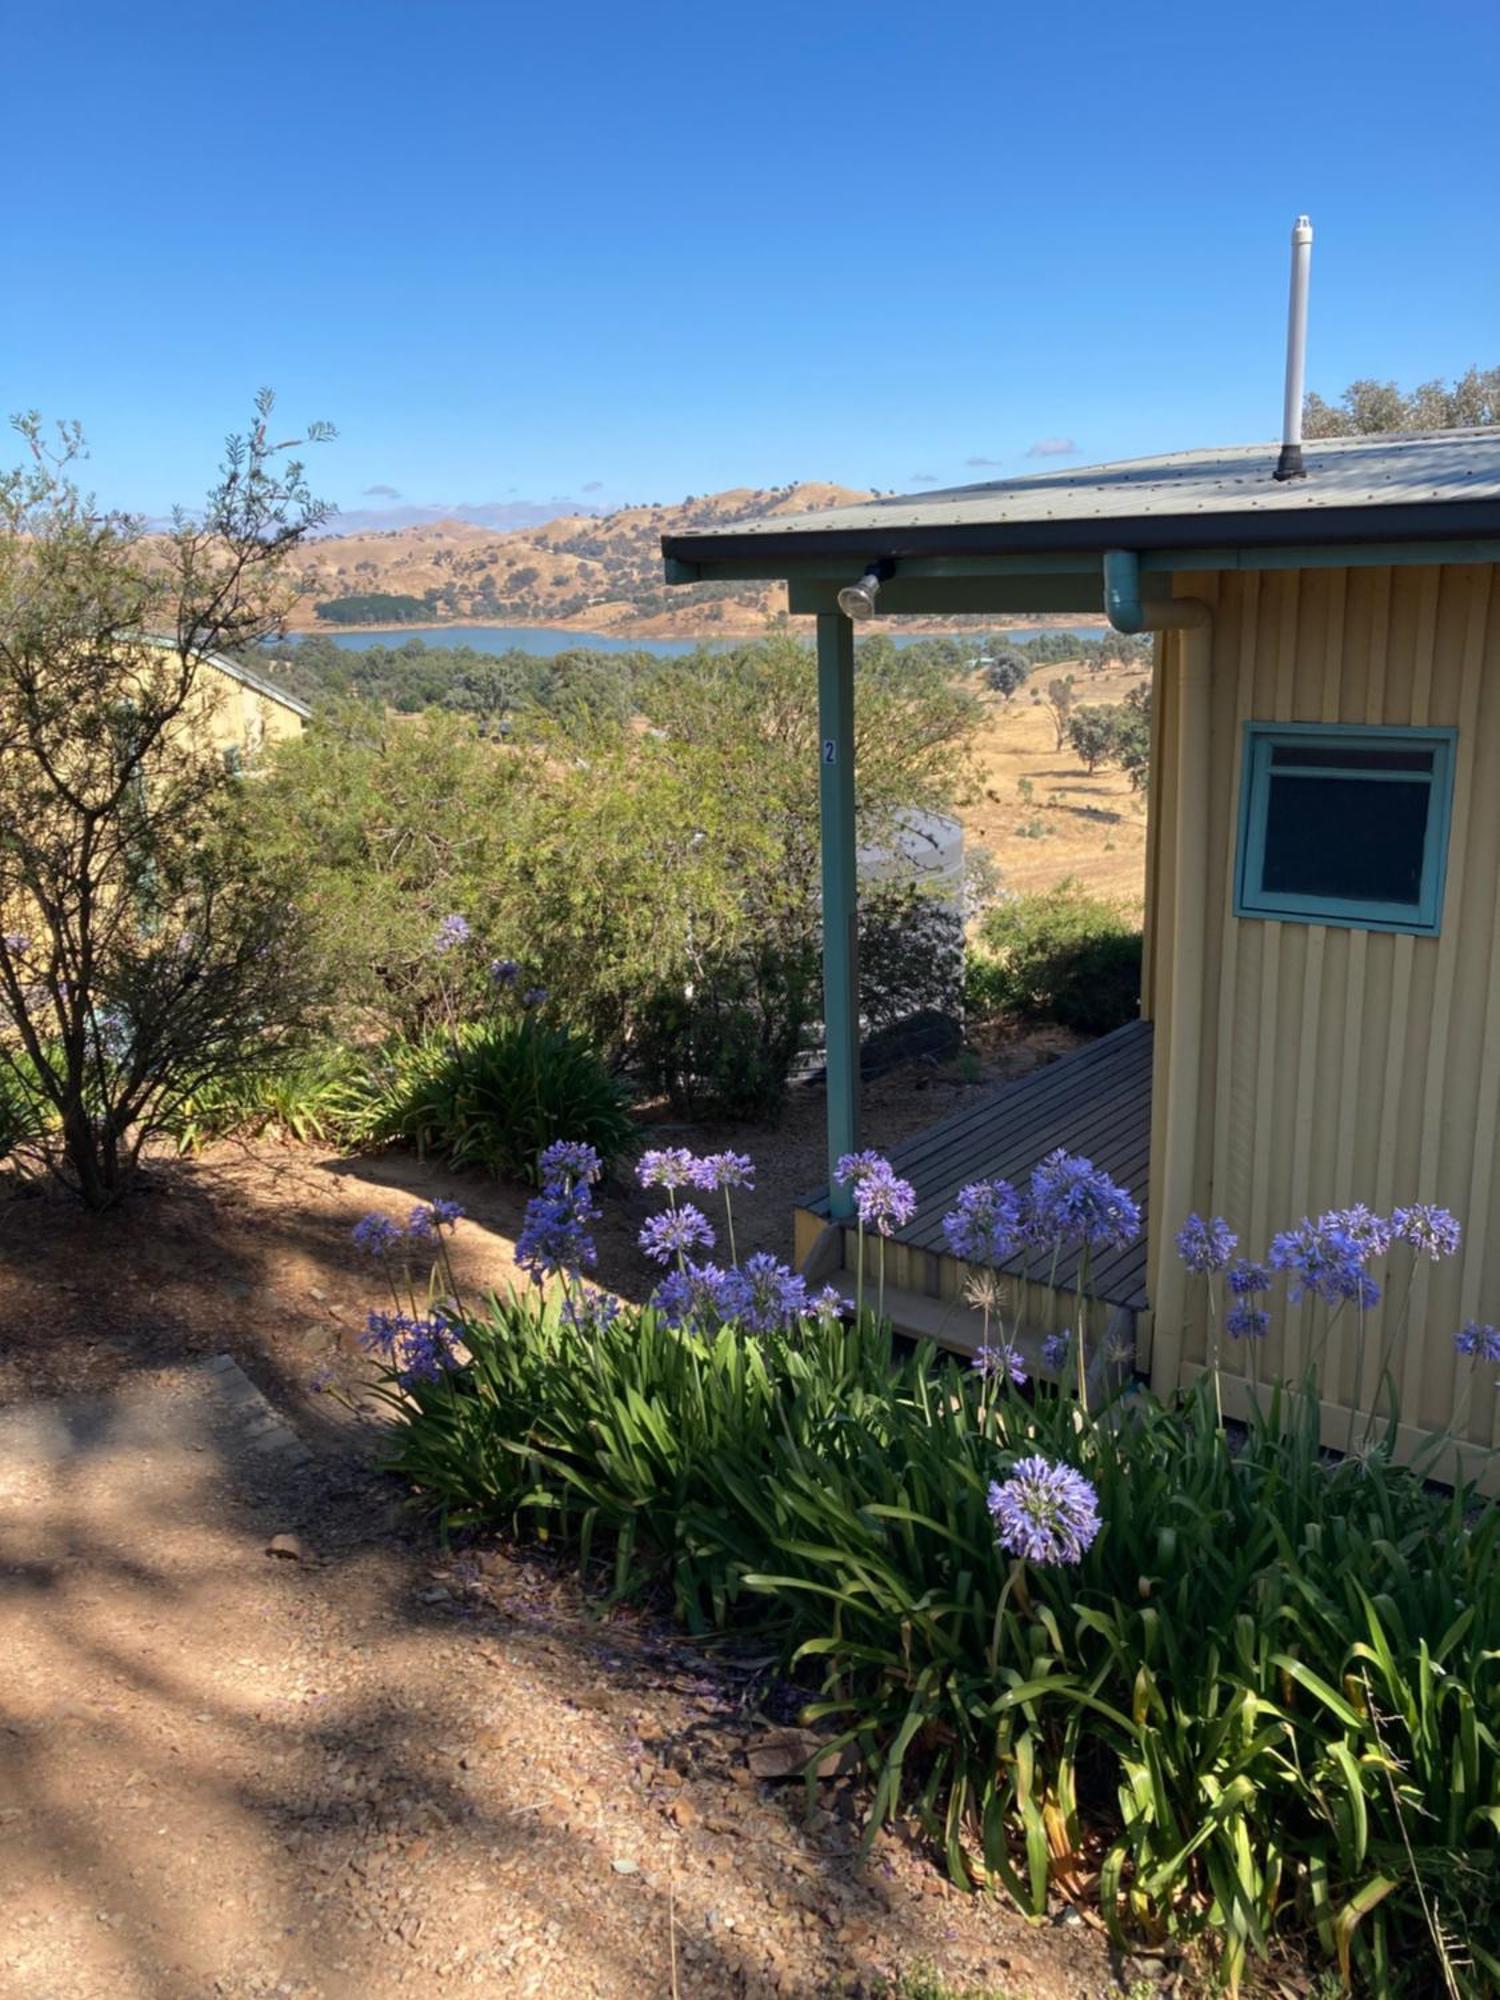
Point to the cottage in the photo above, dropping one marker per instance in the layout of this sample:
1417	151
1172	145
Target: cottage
1321	1010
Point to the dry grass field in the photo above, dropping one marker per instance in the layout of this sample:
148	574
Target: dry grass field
1040	814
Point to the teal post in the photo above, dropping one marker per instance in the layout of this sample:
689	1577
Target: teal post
840	891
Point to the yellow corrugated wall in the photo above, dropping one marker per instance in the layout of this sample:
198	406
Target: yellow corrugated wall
1339	1065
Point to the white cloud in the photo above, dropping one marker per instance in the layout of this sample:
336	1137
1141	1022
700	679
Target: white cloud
1058	447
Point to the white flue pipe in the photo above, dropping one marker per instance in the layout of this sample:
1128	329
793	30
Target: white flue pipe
1289	465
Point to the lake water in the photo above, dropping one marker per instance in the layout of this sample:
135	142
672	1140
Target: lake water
546	640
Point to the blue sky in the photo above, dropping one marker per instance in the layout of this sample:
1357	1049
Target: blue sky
630	253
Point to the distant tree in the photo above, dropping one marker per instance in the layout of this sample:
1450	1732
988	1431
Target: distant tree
1005	670
1132	732
1367	406
144	951
1091	732
1058	702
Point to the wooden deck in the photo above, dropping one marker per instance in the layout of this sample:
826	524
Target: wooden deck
1096	1102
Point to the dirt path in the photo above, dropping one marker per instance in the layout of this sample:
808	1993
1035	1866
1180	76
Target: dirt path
369	1770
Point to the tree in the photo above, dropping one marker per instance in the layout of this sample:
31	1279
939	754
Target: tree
1091	732
1367	406
144	952
1058	702
1005	670
1132	733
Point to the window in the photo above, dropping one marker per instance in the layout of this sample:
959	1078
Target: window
1345	825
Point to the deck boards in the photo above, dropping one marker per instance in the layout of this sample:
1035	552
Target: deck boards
1096	1102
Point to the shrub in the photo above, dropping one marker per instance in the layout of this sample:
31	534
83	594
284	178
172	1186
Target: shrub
317	1096
494	1094
1259	1699
725	1045
1059	955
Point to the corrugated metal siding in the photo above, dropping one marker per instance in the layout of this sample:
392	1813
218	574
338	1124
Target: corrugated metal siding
1347	1065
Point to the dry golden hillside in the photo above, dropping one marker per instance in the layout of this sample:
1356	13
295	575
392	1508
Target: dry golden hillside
598	573
1042	816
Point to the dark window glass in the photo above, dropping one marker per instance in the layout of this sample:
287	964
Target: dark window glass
1328	757
1348	839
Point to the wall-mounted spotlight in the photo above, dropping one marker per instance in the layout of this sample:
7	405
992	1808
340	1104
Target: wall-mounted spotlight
857	600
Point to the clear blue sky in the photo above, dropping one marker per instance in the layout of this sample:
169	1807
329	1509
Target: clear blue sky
634	252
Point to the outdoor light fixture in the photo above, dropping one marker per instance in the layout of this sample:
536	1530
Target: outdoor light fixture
857	600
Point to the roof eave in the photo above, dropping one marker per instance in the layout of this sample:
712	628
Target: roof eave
771	554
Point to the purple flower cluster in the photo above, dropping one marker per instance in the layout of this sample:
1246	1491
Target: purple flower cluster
1481	1342
1323	1260
504	972
450	934
555	1239
716	1171
377	1235
569	1160
17	943
1206	1247
699	1296
1073	1202
774	1295
418	1349
430	1219
534	997
828	1306
1431	1231
675	1233
882	1200
984	1226
669	1167
1001	1364
1044	1512
1247	1319
588	1310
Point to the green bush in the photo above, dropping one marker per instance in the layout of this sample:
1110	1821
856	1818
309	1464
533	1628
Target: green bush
725	1045
315	1097
493	1094
1263	1706
1060	955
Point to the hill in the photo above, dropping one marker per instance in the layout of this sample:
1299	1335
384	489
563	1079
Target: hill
594	572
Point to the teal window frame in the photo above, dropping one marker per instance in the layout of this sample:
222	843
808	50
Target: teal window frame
1261	739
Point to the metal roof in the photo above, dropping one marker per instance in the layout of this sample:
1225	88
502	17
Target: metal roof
244	675
1390	487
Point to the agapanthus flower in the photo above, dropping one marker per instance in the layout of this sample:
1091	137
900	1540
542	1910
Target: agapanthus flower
429	1352
700	1296
883	1200
775	1297
533	997
984	1224
1431	1231
568	1160
716	1171
17	943
450	933
1482	1342
1073	1201
828	1306
853	1167
1368	1232
1001	1363
428	1220
1206	1247
1245	1277
1246	1322
418	1350
1322	1262
504	971
554	1234
1045	1513
675	1233
588	1310
377	1234
1055	1351
667	1167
